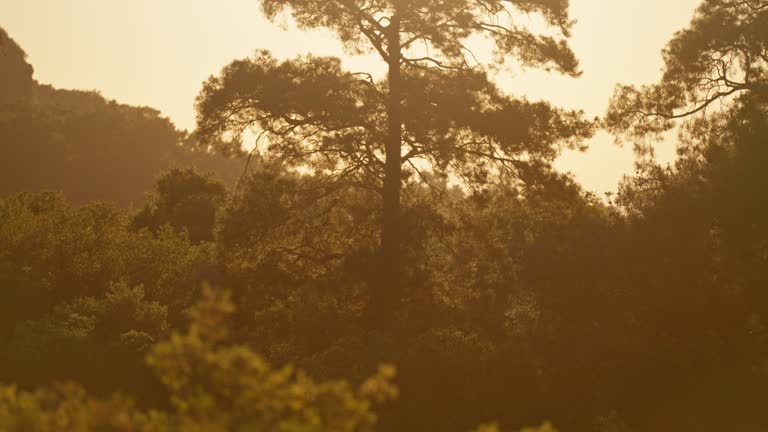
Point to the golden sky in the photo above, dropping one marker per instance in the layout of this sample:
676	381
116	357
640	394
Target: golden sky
158	52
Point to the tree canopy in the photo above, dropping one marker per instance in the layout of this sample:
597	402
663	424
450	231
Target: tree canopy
313	114
444	26
724	52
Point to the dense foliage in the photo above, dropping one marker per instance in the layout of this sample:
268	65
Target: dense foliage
522	302
212	387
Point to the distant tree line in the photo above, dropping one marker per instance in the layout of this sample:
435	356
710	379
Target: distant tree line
84	145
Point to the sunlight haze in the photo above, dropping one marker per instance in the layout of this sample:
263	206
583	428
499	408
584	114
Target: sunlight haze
157	53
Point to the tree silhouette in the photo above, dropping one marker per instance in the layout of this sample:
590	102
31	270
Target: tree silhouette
185	199
16	83
435	105
724	52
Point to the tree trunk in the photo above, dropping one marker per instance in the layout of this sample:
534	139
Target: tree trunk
387	290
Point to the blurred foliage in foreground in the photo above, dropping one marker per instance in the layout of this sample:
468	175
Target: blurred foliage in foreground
213	386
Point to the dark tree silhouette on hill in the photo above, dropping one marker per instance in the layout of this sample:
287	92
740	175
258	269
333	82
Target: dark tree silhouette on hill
16	81
435	105
84	145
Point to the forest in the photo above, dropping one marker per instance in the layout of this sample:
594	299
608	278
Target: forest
334	251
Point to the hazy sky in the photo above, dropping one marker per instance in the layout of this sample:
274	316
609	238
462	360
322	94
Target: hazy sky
158	52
